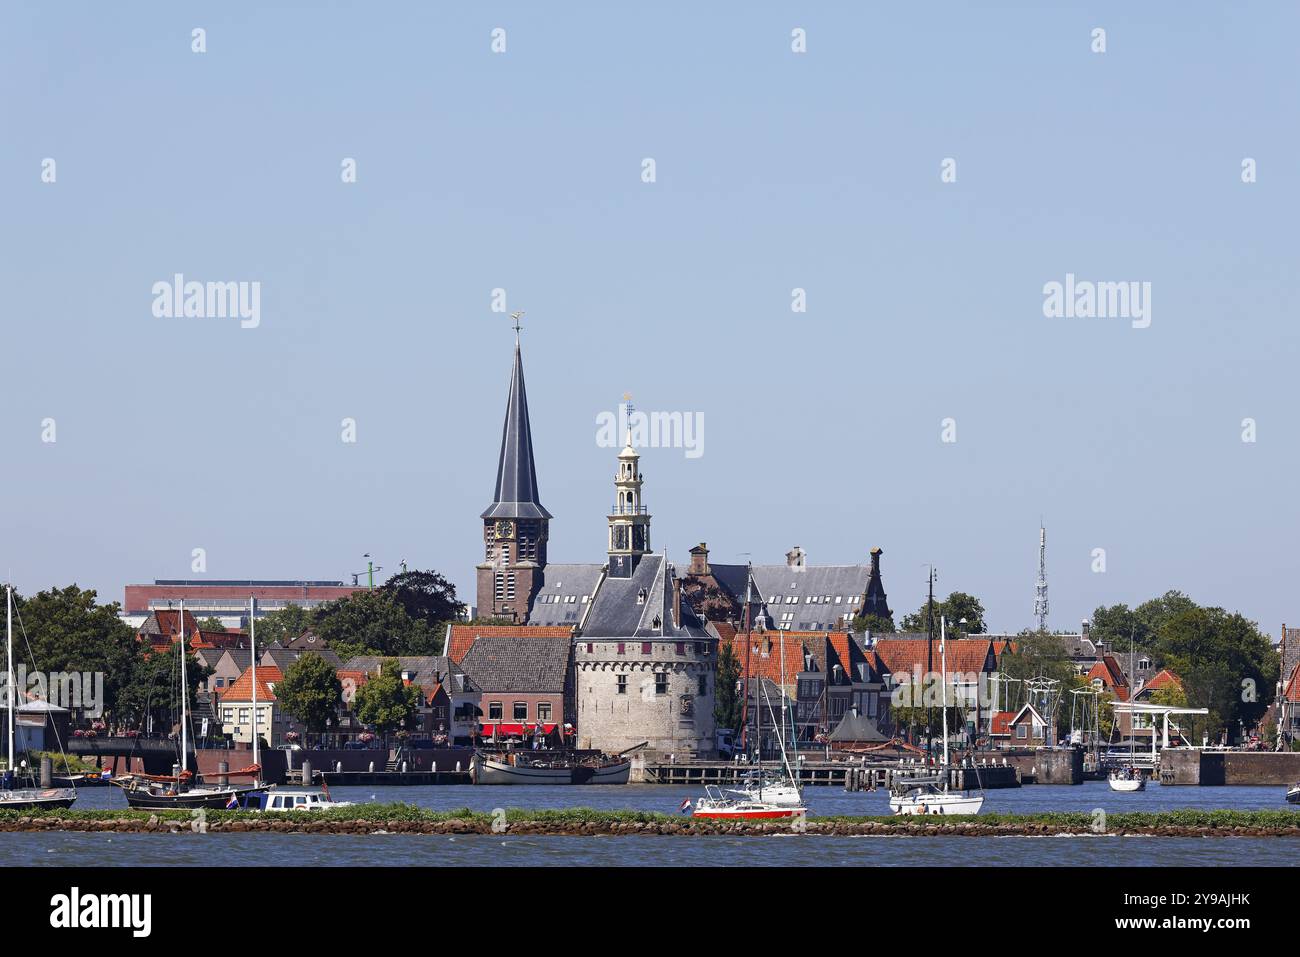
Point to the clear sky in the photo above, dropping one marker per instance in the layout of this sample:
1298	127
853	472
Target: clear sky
522	170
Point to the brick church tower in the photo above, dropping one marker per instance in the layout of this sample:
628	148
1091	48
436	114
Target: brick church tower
515	525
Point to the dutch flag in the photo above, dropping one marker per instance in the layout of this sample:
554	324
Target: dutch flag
686	806
234	803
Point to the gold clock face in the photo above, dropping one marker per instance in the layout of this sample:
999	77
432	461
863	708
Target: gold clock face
505	529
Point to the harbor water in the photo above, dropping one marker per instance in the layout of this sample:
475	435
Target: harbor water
242	850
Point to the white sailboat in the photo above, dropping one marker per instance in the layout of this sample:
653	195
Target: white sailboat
931	794
762	797
1130	779
13	793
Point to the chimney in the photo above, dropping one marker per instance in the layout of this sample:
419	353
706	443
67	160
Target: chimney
677	603
795	559
700	559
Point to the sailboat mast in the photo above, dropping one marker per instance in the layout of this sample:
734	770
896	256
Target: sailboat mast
184	694
943	659
252	641
10	691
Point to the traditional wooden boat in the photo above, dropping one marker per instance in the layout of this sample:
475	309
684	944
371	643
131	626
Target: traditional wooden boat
548	767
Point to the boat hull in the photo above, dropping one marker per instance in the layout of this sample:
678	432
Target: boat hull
931	804
488	771
37	799
1293	795
755	814
1127	784
214	799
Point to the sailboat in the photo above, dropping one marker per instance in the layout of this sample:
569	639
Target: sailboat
181	789
782	788
930	794
17	793
760	798
1130	779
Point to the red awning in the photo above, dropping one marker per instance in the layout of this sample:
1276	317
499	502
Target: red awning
518	730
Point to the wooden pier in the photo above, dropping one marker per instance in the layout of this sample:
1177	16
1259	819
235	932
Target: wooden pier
850	777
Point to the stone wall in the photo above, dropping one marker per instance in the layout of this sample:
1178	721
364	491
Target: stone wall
676	720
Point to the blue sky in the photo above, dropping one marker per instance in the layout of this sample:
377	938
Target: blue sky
775	170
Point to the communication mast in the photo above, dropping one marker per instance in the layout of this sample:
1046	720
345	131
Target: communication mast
1040	587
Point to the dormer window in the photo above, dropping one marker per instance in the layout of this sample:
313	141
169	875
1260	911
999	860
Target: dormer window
640	597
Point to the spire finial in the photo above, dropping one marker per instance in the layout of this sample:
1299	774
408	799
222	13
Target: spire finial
516	316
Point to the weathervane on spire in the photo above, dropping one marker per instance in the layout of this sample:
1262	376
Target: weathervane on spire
516	316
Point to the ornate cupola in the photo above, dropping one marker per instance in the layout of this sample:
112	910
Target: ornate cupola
629	524
515	525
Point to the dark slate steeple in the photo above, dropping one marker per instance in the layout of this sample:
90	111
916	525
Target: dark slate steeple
516	491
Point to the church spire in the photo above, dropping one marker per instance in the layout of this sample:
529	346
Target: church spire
516	488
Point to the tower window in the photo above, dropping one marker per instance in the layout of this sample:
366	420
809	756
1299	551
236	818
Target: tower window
661	683
621	685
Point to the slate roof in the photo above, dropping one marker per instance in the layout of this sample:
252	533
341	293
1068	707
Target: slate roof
166	621
809	594
560	598
516	488
460	638
617	613
283	657
501	664
239	657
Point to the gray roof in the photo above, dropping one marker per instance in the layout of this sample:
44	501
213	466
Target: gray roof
641	606
516	491
283	657
239	657
856	727
430	671
822	594
506	663
564	594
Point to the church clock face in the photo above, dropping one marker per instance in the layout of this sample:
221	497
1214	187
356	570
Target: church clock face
505	529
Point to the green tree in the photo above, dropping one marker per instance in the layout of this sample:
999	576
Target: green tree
726	697
67	630
425	596
876	624
310	691
1226	665
385	702
955	607
153	690
211	624
373	623
1039	654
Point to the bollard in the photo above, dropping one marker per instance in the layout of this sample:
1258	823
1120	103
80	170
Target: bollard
458	767
404	766
306	773
338	766
223	778
372	767
47	772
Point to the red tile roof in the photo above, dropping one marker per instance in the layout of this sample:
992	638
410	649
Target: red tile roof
1111	675
903	655
1001	722
463	636
1292	691
1164	679
763	652
242	689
